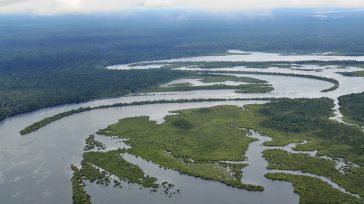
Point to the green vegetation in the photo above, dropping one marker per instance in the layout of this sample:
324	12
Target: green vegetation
352	180
189	143
91	143
353	74
243	88
28	91
331	80
180	84
288	120
99	166
37	125
113	163
192	145
313	190
211	78
299	115
79	194
352	108
92	174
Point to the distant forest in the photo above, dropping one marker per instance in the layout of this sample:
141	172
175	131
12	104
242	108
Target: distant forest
50	60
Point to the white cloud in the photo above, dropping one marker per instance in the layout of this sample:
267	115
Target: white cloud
86	6
158	3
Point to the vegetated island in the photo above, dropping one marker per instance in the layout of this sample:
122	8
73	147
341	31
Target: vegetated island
285	120
352	180
190	144
331	80
253	86
207	77
352	74
99	166
313	190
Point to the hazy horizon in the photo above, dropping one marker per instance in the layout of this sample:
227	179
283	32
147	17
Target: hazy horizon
54	7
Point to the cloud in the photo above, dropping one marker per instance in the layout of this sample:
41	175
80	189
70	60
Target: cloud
49	7
10	2
158	3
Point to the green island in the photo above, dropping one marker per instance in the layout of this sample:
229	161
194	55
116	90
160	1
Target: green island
331	80
98	166
353	74
190	144
352	180
211	78
352	108
37	125
79	194
254	86
91	143
313	190
113	163
106	167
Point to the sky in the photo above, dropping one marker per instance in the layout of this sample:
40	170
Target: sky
52	7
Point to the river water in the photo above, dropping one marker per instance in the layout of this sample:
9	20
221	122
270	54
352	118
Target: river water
36	168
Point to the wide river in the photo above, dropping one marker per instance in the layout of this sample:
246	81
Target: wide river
36	168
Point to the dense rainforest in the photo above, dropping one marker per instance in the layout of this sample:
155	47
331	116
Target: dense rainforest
22	92
352	107
50	60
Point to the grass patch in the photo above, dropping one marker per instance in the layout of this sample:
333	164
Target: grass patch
194	146
91	143
113	163
313	190
287	120
352	180
352	74
79	195
180	84
214	78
